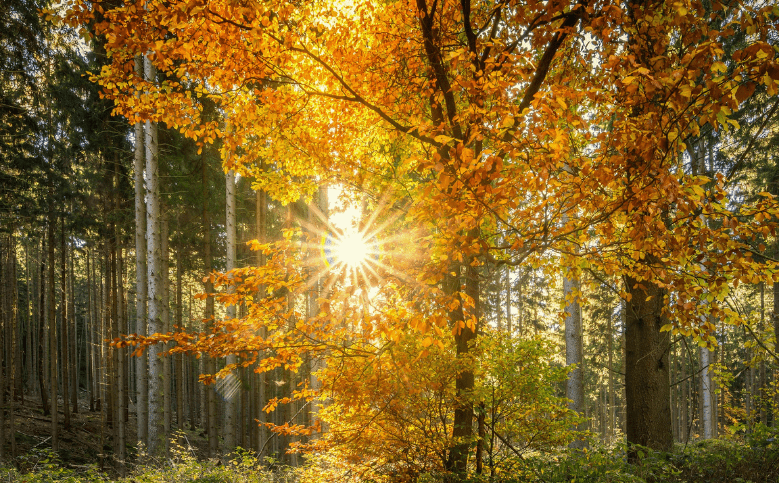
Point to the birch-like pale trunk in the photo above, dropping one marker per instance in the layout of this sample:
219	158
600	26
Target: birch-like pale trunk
156	433
698	159
141	283
574	386
230	395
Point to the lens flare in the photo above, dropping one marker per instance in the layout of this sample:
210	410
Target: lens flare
351	249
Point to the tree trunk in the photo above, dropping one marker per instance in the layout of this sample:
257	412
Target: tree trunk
167	405
612	403
180	394
457	461
706	409
209	363
156	434
574	387
230	394
41	334
65	349
52	333
141	283
261	380
13	366
647	382
73	341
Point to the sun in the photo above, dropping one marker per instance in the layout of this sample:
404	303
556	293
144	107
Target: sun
352	249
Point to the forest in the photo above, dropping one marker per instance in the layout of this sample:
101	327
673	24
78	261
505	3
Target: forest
389	240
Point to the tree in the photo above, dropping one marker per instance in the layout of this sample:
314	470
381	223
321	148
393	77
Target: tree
506	114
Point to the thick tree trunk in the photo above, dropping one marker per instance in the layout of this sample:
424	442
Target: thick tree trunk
462	432
647	382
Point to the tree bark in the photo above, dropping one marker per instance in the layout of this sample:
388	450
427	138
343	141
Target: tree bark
41	333
209	362
612	403
167	406
65	349
156	433
180	394
574	387
462	432
230	395
647	381
141	283
52	331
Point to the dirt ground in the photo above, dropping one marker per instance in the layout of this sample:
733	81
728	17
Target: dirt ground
87	442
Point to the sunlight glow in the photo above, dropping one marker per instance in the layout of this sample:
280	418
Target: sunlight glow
353	249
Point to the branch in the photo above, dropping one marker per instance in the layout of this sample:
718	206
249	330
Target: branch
752	141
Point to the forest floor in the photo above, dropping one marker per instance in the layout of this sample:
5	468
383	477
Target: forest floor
85	443
85	455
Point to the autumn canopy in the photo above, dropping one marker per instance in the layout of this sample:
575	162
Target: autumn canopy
554	134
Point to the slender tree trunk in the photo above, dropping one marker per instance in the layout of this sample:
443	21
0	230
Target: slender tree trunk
29	352
647	381
180	394
230	395
73	341
685	424
90	327
508	302
5	284
210	363
65	316
574	387
41	333
155	441
13	319
260	220
141	283
166	362
52	332
612	403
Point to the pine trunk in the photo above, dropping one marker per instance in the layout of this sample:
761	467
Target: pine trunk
52	333
65	323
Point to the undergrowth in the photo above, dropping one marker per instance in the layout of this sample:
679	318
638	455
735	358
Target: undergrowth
750	459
